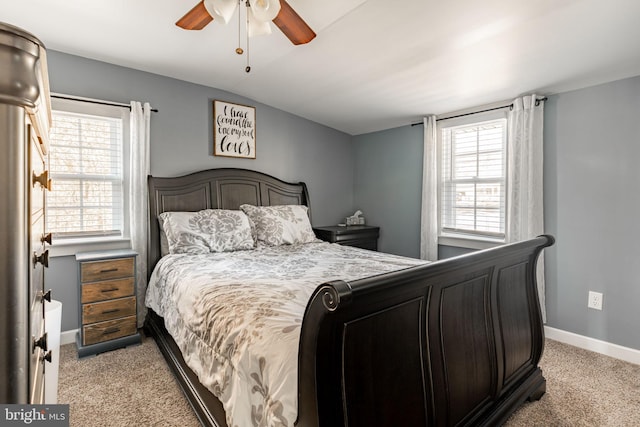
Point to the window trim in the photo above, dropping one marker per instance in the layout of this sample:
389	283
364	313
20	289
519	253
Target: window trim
462	239
70	246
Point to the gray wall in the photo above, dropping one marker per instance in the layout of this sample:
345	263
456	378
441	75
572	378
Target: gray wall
592	176
592	206
287	146
388	184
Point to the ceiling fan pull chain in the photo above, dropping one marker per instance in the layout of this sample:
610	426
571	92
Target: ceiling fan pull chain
248	67
239	50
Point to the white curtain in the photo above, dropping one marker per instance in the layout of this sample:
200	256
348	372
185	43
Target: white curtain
429	217
138	201
524	177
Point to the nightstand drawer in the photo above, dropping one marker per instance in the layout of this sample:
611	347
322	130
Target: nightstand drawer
360	236
109	330
110	289
371	244
109	269
100	311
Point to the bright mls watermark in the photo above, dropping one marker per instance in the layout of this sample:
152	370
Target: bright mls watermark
34	415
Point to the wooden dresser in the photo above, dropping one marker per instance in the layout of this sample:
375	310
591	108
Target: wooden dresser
25	118
107	294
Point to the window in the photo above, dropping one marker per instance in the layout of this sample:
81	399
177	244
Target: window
473	180
86	162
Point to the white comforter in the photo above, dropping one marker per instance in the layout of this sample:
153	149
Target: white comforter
236	317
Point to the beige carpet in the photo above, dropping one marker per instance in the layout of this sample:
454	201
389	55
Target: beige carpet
127	387
134	387
583	389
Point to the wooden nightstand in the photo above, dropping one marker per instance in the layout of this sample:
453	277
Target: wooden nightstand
360	236
107	295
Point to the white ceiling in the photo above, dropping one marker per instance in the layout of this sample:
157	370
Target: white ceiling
374	65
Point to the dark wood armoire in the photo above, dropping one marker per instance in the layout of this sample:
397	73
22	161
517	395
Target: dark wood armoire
25	117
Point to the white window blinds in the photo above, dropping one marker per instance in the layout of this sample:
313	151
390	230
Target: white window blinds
473	179
87	173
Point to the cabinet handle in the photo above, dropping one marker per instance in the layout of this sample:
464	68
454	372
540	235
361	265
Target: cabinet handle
42	179
109	290
46	238
108	270
111	311
111	331
40	342
46	296
43	258
47	356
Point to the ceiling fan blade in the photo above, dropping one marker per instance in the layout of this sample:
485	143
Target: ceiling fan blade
196	19
292	25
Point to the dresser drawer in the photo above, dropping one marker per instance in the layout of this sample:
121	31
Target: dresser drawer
107	310
108	330
109	289
108	269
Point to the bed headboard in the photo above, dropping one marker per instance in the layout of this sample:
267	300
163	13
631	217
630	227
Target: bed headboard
226	188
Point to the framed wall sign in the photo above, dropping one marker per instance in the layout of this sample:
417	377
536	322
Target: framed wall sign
234	130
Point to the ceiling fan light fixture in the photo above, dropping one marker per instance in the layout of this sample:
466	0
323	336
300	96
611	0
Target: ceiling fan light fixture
265	10
221	9
259	14
256	27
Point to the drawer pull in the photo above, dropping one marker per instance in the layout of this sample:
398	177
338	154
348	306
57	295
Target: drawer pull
108	270
111	331
40	342
109	290
46	238
42	179
47	356
43	258
46	296
111	311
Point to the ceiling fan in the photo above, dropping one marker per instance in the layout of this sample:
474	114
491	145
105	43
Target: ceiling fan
259	13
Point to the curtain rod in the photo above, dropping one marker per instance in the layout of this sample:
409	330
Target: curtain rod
91	101
538	101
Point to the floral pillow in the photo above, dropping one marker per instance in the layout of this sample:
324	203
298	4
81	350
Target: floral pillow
281	225
209	230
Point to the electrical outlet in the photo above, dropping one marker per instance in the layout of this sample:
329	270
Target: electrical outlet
595	300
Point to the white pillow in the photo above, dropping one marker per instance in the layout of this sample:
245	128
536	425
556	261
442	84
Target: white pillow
209	230
281	225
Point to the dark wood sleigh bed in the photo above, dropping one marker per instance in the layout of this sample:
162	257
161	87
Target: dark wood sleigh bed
454	342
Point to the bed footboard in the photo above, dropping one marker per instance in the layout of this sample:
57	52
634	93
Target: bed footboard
455	342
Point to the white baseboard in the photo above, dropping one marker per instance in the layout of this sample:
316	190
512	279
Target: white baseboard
68	337
613	350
